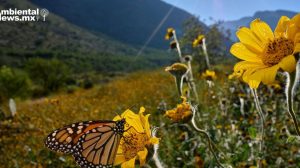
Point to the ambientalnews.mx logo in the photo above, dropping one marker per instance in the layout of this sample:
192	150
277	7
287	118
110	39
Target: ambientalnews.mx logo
24	15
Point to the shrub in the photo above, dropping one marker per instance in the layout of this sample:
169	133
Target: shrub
13	83
49	74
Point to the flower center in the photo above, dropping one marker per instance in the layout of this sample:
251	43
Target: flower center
276	50
132	143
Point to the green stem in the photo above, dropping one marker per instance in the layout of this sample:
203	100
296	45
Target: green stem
189	76
177	46
210	143
155	157
290	100
192	83
205	53
262	123
179	82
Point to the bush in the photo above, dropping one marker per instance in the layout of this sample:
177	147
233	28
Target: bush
49	74
13	83
70	89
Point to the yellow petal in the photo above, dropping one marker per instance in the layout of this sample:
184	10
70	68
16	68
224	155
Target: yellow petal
234	75
297	48
129	164
288	63
250	71
297	38
119	159
142	156
245	65
292	31
293	27
133	120
145	121
248	38
296	20
265	75
241	51
253	84
154	140
262	30
118	117
147	125
142	110
281	26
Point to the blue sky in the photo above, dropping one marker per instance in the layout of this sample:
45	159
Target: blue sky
232	9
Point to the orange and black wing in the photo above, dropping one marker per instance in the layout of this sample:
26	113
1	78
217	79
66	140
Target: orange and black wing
65	139
98	147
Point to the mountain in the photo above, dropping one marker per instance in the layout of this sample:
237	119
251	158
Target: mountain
270	17
54	34
129	21
77	46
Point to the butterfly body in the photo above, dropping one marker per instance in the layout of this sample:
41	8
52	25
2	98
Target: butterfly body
92	143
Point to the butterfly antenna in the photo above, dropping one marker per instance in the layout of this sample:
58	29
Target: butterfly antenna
134	105
118	114
126	109
131	127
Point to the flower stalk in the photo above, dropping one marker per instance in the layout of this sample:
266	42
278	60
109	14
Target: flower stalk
262	123
291	79
191	82
156	147
205	53
179	83
189	76
297	76
210	143
177	46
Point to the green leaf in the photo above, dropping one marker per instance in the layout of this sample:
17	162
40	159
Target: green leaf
291	139
252	132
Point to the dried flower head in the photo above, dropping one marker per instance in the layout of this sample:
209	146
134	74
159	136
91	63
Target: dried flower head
183	112
170	33
177	69
198	41
209	75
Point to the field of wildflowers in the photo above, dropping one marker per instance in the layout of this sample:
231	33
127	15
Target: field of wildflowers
215	118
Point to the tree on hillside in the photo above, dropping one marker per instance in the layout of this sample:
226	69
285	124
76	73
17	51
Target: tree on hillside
13	83
49	74
215	41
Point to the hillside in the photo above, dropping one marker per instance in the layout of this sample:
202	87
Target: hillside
56	33
74	45
271	17
128	21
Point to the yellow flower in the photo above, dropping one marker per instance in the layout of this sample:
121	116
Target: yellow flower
209	75
264	52
136	139
235	75
275	85
182	112
198	41
170	33
219	126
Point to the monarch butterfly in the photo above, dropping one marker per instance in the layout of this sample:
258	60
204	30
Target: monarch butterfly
93	144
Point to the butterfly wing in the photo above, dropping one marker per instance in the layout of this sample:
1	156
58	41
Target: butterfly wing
98	147
65	139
